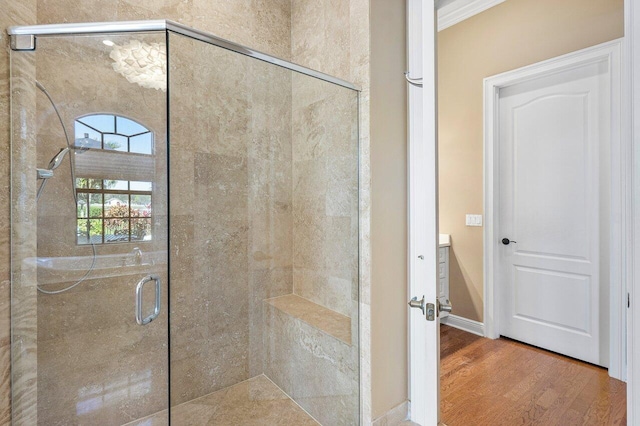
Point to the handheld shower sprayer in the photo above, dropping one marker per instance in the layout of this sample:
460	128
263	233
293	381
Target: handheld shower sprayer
53	164
57	160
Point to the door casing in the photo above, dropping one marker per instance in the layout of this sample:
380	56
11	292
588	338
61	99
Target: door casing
620	196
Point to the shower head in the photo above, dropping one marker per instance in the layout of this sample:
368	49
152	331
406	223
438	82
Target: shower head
57	160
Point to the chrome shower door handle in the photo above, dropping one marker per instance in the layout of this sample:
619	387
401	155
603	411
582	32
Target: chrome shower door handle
139	292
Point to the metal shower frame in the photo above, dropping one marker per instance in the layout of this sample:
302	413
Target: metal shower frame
25	37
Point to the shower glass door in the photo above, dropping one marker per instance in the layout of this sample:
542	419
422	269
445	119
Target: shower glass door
89	231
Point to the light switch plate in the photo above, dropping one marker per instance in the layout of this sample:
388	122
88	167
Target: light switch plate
474	220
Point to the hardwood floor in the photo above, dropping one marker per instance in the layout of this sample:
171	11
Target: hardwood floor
504	382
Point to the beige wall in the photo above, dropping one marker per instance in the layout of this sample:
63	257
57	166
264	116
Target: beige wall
511	35
388	208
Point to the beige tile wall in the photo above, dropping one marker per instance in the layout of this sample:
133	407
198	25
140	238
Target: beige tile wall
325	194
319	371
333	36
231	211
261	24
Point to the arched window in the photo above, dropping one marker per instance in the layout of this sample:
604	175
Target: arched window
114	175
108	131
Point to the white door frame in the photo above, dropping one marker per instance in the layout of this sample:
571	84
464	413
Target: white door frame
607	52
630	132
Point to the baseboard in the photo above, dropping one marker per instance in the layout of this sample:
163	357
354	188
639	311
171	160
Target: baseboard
393	417
465	324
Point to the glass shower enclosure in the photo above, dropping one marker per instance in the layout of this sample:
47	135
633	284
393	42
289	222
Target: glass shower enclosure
184	231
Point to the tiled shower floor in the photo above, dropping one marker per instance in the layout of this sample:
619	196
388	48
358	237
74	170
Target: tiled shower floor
257	401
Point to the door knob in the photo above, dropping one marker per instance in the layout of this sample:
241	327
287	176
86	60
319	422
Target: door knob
506	241
428	309
444	306
415	303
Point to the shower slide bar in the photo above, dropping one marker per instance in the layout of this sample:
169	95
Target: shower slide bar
23	38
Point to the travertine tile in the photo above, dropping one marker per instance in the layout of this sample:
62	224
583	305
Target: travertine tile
320	35
237	241
326	320
257	401
318	371
325	196
327	290
160	418
271	26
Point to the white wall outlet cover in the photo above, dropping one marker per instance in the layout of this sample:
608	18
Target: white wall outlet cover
474	220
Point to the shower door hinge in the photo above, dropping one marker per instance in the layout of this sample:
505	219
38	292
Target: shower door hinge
23	42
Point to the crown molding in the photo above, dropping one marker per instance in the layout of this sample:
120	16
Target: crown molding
451	12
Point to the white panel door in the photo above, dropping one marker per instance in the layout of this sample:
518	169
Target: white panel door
424	333
553	139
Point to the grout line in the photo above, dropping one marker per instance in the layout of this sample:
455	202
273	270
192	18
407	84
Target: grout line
293	400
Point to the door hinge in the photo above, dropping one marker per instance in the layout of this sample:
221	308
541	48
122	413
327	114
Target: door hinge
23	42
628	300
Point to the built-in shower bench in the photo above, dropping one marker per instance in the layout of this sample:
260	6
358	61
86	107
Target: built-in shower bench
317	316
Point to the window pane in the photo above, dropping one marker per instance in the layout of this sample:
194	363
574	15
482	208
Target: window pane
116	143
140	205
128	127
116	230
116	205
95	205
83	204
119	185
140	229
86	137
95	231
101	122
83	231
88	183
140	202
112	199
141	186
142	144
